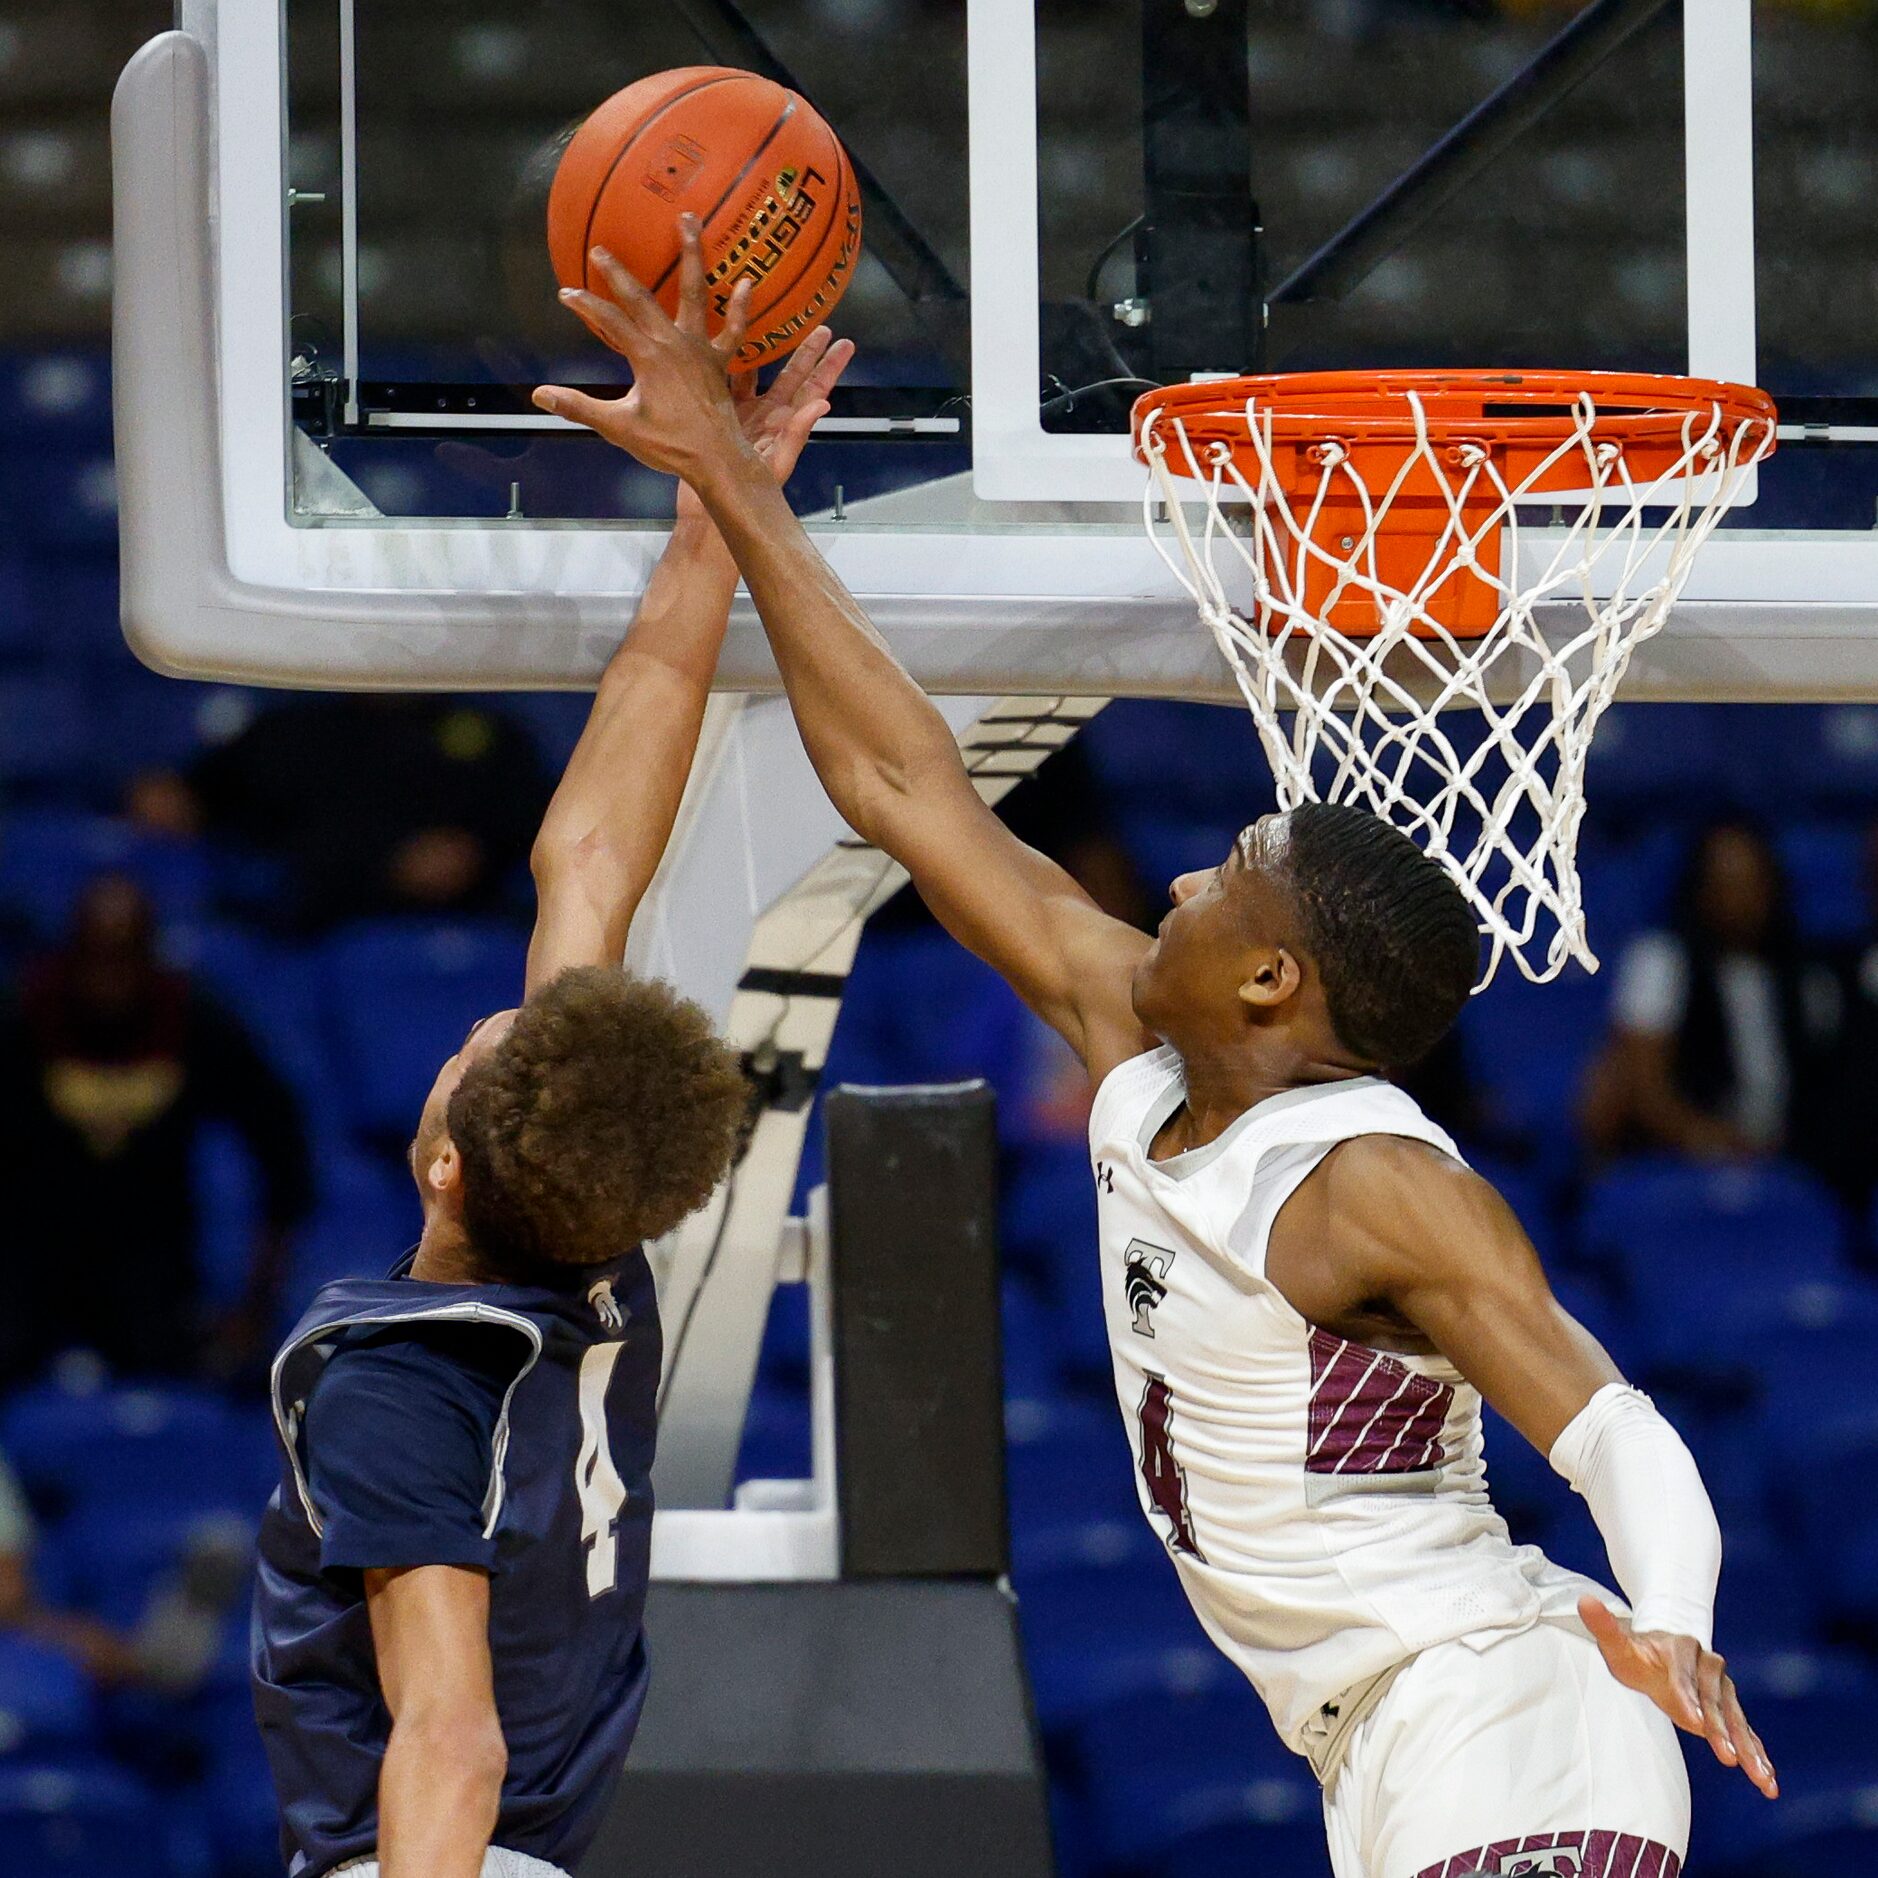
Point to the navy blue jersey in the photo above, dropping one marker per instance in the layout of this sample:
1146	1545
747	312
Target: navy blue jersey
505	1428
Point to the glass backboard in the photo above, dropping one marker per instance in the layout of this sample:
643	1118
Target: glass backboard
1065	201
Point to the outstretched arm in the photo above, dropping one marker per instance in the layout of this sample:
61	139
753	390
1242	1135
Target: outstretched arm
1392	1232
888	760
606	829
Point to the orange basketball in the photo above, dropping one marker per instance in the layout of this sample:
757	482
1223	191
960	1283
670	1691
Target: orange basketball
769	182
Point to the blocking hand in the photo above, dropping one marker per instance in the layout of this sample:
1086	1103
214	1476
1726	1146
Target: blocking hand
777	423
679	415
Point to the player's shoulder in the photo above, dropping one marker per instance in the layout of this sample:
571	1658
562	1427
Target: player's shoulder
1409	1193
405	1373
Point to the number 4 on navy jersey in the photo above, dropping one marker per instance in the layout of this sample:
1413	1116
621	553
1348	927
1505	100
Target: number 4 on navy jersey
596	1480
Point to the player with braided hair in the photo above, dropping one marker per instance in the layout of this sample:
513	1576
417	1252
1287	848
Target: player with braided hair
1308	1292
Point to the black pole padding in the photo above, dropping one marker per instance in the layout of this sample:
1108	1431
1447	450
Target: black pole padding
1480	138
919	1417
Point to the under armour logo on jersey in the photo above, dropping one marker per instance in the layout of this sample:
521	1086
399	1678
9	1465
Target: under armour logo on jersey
1105	1177
605	1305
1145	1269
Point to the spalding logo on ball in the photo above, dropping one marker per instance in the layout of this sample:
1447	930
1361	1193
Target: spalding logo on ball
769	182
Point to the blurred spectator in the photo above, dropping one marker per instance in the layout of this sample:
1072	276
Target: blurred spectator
378	804
175	1642
109	1067
1848	1126
1721	1026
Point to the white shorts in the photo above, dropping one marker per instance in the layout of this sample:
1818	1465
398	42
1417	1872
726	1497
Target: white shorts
1511	1754
498	1862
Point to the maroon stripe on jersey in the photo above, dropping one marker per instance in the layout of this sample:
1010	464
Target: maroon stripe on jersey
1562	1855
1371	1413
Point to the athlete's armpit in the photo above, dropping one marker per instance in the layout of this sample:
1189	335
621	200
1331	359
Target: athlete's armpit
1393	1223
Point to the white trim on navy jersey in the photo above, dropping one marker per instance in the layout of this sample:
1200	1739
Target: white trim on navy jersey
287	1421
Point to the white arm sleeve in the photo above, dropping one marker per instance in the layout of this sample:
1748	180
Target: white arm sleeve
1646	1494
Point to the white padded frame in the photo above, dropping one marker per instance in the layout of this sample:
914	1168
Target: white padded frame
1005	596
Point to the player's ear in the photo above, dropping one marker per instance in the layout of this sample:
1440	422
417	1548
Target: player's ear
443	1174
1272	977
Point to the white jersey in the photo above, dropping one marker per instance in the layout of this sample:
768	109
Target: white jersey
1325	1504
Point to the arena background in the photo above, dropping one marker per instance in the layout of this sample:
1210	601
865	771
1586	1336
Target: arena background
1737	1283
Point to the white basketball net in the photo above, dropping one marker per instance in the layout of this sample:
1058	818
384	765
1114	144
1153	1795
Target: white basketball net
1359	720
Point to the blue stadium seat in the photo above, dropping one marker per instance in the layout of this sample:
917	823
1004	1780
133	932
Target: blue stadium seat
66	497
72	1823
554	719
1166	1765
1201	761
920	1008
45	730
176	1449
1628	885
244	1826
46	1704
278	992
48	855
1263	1826
1766	1610
1529	1495
1047	1224
1071	1482
1165	844
119	1554
1097	1636
64	393
1825	756
1527	1046
1710	1258
20	638
152	722
1851	1593
365	1217
70	610
1813	1406
400	997
1033	1357
1826	865
1651	758
1820	1740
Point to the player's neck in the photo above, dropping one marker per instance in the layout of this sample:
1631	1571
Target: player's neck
445	1255
1222	1083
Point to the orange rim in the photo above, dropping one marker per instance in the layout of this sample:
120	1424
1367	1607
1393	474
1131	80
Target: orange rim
1638	410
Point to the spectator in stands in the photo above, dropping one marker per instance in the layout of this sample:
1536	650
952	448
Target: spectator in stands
110	1064
378	804
175	1643
1721	1025
1848	1131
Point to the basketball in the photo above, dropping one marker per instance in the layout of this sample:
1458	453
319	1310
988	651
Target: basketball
772	188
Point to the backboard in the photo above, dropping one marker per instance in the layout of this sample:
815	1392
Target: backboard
333	297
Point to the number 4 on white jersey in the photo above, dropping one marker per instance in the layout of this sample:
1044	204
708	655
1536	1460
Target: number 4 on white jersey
596	1480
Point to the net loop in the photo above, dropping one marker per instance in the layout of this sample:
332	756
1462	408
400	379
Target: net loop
1428	587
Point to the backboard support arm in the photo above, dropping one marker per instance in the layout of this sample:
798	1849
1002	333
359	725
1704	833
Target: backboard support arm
1478	140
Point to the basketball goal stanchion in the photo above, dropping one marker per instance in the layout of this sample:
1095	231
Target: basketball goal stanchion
1362	559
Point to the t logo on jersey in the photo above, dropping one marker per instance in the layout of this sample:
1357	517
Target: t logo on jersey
1144	1282
1560	1862
1160	1469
